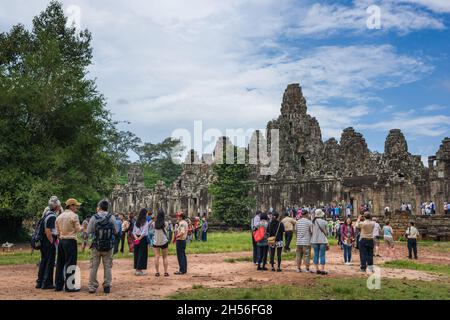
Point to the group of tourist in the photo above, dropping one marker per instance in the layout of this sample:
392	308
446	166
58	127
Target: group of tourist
108	233
313	230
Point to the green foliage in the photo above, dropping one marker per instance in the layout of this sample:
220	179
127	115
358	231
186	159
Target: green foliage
56	137
230	192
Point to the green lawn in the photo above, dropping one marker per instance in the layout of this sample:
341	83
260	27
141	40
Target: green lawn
217	242
412	265
325	289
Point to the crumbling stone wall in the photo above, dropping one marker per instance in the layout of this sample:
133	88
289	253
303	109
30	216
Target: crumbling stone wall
311	171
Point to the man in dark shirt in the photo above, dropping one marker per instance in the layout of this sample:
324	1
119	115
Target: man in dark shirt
48	248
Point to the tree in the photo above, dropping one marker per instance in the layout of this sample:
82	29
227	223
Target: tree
230	191
157	161
54	128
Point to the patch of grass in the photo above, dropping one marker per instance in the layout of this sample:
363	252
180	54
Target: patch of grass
412	265
217	242
197	286
327	289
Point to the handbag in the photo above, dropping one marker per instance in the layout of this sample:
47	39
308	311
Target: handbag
328	245
271	240
259	234
136	242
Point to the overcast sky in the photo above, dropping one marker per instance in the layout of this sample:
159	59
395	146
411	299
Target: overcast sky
164	64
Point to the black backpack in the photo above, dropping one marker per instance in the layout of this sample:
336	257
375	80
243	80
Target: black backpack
39	231
104	233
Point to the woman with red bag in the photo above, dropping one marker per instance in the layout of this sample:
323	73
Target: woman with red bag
262	244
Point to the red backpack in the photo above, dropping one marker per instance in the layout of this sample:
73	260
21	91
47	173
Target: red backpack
259	234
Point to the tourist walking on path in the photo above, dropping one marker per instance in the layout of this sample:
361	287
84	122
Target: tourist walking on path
161	242
67	226
181	236
48	247
289	227
140	233
366	225
118	236
104	230
84	233
124	228
411	235
253	226
130	236
263	245
196	227
204	228
319	241
388	235
275	240
304	233
376	237
347	239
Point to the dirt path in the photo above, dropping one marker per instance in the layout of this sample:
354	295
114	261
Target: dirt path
209	270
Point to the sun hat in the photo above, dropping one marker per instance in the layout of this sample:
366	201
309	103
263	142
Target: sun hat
319	213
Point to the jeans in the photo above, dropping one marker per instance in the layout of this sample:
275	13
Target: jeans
288	237
319	252
181	255
47	263
412	247
107	258
204	236
122	242
67	257
347	252
262	255
366	253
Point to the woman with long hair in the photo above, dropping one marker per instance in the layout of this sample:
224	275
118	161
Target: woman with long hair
347	240
160	242
140	233
276	230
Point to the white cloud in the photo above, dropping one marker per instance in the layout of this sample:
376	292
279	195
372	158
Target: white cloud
434	107
164	64
431	126
329	19
440	6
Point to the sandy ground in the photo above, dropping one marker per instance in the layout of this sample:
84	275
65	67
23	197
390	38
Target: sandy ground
209	270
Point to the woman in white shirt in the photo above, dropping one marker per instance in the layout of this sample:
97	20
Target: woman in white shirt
140	233
160	242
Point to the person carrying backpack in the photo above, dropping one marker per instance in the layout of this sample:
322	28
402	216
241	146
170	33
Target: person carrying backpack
103	229
262	244
45	239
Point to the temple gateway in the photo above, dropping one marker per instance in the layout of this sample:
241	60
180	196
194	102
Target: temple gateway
311	171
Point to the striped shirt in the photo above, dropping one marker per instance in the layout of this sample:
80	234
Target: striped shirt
304	232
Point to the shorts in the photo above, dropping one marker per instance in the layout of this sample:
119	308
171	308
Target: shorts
389	241
376	241
164	246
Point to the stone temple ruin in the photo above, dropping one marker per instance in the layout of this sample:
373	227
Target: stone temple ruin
311	171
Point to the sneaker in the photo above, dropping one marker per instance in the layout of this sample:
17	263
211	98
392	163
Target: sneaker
106	290
279	270
299	270
273	269
309	271
92	291
259	268
264	269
